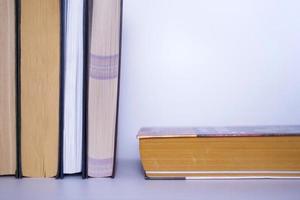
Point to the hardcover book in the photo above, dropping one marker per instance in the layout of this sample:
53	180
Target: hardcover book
220	152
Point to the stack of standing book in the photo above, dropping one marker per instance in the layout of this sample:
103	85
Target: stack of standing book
59	83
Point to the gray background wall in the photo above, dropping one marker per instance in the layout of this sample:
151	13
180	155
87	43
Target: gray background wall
216	62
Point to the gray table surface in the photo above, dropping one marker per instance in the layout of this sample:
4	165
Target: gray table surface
130	184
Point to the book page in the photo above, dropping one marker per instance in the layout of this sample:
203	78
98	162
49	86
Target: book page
7	88
103	86
40	66
73	86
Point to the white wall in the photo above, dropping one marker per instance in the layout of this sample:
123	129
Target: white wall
208	62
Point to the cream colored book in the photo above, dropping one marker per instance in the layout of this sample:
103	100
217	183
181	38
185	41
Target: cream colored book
103	86
40	70
7	88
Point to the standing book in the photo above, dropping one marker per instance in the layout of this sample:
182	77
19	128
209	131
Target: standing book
39	24
72	85
103	86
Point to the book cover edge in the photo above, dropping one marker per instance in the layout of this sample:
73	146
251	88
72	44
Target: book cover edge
118	92
18	87
60	164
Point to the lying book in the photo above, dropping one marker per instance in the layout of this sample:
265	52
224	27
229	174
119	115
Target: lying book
7	88
220	152
103	84
40	86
